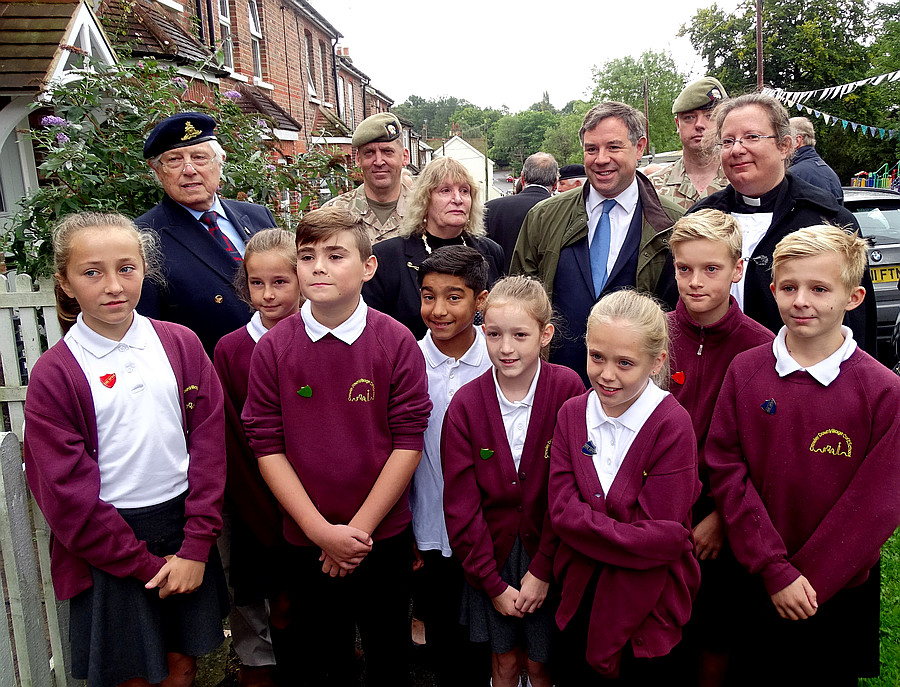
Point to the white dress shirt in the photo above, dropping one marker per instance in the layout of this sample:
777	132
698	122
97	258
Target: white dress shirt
224	223
619	219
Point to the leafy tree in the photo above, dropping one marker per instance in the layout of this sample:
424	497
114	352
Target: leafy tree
543	105
436	111
471	121
622	79
519	135
562	140
90	152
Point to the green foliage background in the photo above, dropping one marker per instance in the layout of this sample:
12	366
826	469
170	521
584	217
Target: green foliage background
90	154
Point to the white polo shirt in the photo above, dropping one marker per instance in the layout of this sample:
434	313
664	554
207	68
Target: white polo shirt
516	416
142	450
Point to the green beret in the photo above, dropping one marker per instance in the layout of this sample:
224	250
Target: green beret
699	95
382	128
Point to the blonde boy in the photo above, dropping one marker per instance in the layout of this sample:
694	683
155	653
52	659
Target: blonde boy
708	330
804	463
336	410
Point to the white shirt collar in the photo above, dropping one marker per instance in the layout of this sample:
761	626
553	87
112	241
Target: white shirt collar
627	199
347	331
216	207
473	356
255	327
633	418
506	406
98	345
824	371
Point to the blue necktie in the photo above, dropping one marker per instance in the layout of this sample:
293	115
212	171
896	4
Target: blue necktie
600	248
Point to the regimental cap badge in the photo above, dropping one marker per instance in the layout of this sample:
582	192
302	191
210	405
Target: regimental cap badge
190	131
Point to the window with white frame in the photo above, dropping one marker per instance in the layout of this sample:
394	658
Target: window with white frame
310	65
351	109
323	63
341	99
255	38
225	29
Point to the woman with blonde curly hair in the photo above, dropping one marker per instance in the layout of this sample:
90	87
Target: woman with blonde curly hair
446	209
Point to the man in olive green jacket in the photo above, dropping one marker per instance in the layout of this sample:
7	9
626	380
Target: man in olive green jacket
619	207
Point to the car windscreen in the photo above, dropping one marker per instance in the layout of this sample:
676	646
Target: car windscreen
879	224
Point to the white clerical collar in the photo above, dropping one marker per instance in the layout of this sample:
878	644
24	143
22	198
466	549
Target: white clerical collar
507	406
98	345
473	356
347	331
824	371
255	327
633	418
627	198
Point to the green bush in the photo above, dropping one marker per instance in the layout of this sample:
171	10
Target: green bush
90	154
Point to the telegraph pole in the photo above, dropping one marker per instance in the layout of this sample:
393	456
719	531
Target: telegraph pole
759	50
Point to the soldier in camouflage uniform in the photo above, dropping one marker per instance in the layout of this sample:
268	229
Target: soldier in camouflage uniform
698	173
380	202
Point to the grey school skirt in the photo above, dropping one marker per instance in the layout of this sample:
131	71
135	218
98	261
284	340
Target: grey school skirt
120	631
534	632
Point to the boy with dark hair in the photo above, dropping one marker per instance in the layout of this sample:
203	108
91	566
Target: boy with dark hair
708	330
453	283
803	461
336	411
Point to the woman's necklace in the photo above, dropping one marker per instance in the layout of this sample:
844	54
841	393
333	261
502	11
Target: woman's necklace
428	248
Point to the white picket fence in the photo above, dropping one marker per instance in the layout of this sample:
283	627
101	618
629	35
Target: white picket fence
32	648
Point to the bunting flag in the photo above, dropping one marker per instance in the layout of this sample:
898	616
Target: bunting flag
832	91
830	119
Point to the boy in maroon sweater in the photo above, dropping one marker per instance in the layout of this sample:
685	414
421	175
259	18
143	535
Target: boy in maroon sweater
803	460
336	410
707	331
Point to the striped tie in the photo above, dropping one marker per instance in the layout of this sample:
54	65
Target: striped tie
210	218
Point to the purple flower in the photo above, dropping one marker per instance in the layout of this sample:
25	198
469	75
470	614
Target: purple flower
179	82
232	95
140	64
52	120
270	168
262	124
62	138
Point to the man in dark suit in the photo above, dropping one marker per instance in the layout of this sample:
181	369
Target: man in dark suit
503	216
201	235
611	234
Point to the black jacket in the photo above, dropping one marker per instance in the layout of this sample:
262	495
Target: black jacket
809	166
394	290
503	218
799	205
198	291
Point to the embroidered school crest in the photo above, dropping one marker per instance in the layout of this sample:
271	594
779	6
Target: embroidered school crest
362	390
190	131
832	441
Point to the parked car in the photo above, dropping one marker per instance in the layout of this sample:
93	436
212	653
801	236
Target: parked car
878	212
510	179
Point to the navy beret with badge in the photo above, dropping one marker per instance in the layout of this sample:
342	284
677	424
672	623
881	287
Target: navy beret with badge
571	172
383	127
701	94
178	131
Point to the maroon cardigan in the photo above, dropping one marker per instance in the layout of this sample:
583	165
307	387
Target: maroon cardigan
487	504
247	492
638	535
64	476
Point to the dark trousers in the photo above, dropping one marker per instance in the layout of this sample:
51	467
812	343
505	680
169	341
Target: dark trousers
454	659
325	612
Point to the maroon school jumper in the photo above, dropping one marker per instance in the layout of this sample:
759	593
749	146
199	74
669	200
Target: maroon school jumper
699	357
638	535
64	476
487	503
247	492
811	483
337	412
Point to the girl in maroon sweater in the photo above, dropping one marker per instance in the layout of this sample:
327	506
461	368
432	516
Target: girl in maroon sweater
267	280
496	449
123	451
623	476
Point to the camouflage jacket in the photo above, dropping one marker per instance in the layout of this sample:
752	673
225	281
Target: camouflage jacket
356	202
673	182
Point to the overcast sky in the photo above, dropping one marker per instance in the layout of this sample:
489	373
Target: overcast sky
500	53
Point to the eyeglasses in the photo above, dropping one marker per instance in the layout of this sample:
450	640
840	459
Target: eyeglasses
747	141
179	163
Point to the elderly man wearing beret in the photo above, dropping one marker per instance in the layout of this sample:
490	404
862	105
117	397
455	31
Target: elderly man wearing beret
380	202
699	171
201	235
